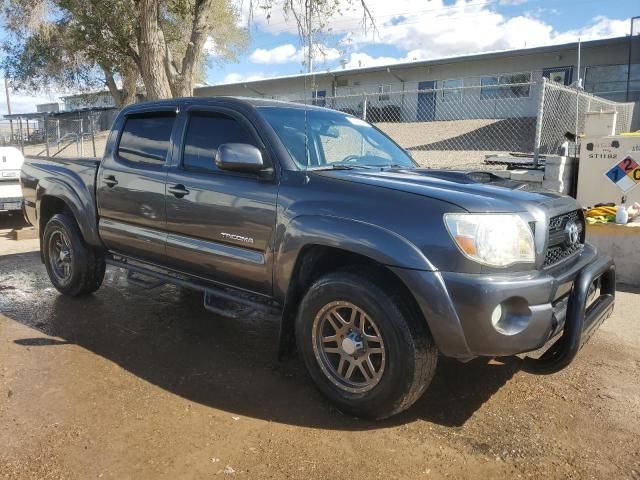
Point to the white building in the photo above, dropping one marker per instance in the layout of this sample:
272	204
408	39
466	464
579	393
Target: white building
428	90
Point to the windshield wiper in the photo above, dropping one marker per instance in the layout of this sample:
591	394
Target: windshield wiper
391	165
341	166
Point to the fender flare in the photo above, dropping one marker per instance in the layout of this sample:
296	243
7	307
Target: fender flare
374	242
82	207
377	243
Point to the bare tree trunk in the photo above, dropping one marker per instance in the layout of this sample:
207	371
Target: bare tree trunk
182	81
112	86
129	83
152	52
127	94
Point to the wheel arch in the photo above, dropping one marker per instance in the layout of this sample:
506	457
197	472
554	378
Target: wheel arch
314	261
55	196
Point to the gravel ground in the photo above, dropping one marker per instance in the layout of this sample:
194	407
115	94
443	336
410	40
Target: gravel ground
130	383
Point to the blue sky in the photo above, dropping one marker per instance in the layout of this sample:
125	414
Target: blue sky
426	29
408	30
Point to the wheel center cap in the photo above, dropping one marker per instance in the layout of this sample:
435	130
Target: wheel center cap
352	343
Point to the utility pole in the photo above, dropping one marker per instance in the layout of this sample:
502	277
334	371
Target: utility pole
6	92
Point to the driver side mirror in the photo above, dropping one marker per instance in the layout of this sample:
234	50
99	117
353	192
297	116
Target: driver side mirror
239	157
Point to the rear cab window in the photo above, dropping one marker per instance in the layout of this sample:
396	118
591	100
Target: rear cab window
145	139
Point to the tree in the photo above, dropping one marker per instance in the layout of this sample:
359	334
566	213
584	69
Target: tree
313	19
76	43
160	41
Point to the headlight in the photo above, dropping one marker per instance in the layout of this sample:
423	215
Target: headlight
498	240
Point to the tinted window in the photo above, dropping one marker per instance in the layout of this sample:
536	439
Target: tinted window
145	139
205	133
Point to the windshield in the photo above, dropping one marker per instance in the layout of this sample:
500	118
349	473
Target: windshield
335	139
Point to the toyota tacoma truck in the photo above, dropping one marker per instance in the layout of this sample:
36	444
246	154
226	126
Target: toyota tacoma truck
374	265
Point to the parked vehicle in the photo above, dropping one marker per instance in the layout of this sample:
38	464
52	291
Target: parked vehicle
376	266
11	160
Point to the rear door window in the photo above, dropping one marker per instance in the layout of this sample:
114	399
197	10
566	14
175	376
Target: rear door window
145	139
205	133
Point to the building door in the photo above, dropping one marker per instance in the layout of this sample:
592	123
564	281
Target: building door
426	101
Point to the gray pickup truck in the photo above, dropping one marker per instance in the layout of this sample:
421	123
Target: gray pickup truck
374	265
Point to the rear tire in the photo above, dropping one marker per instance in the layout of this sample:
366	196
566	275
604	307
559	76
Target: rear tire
392	352
74	268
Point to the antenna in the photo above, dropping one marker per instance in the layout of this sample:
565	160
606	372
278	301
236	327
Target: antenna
306	132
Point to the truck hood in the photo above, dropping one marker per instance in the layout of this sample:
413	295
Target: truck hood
474	191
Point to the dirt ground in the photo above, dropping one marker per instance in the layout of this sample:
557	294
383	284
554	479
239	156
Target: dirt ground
131	383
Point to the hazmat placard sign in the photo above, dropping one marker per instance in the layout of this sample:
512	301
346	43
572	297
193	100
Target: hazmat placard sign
625	174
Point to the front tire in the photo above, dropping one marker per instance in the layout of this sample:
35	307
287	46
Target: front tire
366	351
74	268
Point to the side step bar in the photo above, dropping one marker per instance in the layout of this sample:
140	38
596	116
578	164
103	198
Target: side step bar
212	294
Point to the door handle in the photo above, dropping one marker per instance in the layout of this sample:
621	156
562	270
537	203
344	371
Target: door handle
110	181
178	191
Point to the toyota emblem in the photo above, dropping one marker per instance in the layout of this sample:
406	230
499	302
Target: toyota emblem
572	233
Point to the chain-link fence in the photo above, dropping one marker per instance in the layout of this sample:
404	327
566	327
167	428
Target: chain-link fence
562	109
459	125
66	134
462	126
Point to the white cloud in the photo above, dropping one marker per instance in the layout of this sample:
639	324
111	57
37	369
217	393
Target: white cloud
21	103
236	77
211	48
288	53
435	30
362	60
282	54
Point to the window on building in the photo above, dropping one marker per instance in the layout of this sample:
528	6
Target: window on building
610	81
384	93
510	85
452	89
489	87
145	139
320	98
205	133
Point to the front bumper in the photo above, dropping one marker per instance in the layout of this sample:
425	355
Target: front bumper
538	307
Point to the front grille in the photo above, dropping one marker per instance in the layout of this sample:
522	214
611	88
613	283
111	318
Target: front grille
558	248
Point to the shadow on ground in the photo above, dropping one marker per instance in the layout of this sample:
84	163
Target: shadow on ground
9	221
508	135
165	337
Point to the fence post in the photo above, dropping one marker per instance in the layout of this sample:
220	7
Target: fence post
46	136
81	137
539	120
93	133
20	134
577	126
364	106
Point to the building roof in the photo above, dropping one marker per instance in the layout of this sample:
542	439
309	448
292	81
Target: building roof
31	115
427	63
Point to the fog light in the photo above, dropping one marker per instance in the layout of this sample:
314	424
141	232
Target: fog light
511	316
496	316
